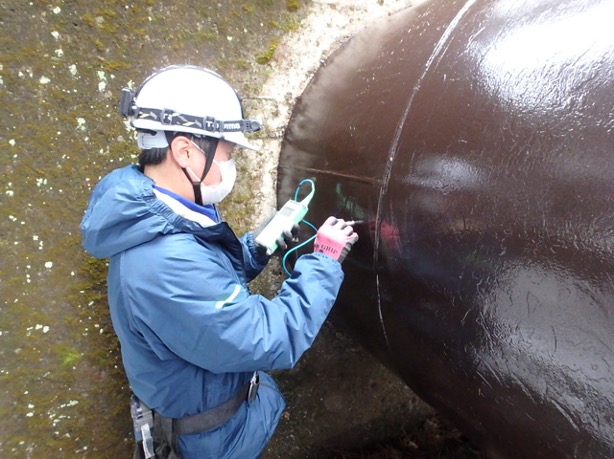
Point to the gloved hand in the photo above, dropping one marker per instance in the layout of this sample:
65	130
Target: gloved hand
284	240
335	238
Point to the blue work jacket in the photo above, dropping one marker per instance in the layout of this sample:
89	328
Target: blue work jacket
191	333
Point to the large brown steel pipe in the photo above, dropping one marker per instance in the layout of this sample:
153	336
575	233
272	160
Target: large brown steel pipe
474	139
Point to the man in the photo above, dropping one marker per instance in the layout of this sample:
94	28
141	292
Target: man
194	341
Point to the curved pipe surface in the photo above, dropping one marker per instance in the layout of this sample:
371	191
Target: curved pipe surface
473	139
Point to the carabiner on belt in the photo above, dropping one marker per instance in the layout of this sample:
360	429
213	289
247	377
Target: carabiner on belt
253	387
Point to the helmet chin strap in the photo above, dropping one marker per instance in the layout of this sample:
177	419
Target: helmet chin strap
209	155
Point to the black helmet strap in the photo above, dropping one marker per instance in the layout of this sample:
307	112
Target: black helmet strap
209	155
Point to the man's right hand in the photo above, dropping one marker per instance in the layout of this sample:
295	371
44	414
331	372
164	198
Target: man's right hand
335	238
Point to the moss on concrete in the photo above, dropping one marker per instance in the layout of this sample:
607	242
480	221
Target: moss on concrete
60	81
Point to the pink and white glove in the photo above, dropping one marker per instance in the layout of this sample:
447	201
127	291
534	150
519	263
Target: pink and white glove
335	238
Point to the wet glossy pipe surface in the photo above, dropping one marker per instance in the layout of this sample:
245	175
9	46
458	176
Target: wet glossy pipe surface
474	140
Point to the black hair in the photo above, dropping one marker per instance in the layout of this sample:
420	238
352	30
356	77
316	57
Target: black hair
155	156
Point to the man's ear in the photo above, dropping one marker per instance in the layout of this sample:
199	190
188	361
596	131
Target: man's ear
180	150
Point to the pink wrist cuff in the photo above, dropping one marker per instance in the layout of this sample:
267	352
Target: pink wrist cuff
330	242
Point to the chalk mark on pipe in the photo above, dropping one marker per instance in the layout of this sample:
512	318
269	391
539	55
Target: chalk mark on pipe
357	178
433	60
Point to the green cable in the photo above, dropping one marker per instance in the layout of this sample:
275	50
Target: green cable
306	200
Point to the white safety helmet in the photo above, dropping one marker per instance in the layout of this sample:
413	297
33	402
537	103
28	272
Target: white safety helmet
185	98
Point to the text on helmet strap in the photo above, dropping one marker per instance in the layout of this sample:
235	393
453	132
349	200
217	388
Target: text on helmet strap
209	124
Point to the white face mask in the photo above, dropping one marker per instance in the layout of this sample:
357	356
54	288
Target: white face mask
214	194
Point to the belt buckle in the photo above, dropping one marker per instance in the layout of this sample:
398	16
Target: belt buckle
253	387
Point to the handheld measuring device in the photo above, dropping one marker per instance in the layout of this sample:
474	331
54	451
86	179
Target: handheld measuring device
291	213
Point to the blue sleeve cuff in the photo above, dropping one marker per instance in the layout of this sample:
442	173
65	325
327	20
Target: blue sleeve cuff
259	257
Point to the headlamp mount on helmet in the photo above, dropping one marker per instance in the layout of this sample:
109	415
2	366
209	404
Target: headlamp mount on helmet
126	103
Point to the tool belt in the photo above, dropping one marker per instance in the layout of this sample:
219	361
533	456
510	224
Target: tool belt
156	435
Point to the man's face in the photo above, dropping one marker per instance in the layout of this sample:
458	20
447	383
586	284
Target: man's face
223	153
